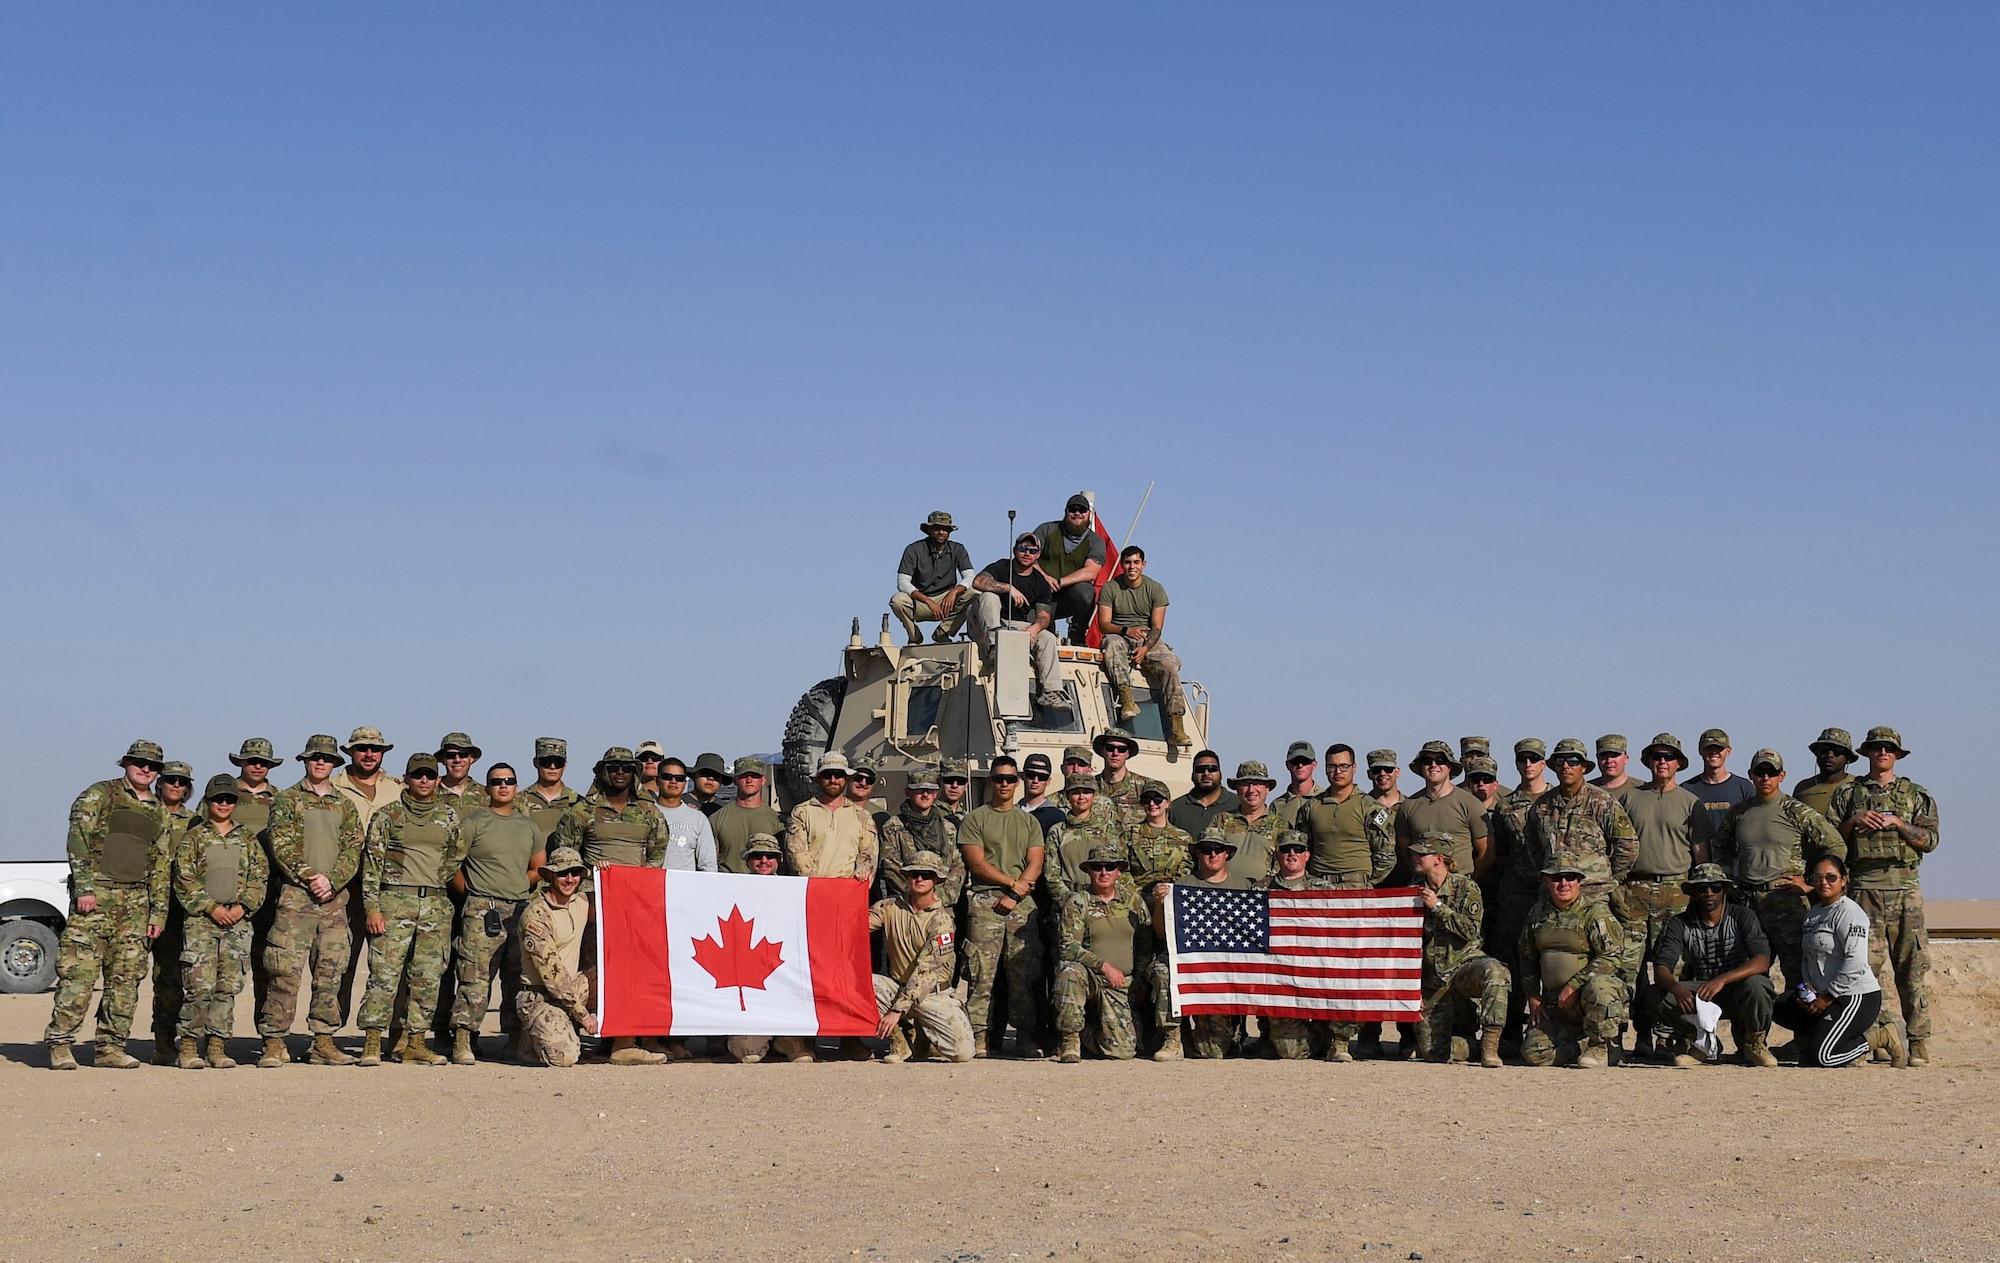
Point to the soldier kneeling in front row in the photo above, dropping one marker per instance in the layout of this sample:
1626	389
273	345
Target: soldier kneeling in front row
922	954
554	1001
1570	953
1107	931
1458	976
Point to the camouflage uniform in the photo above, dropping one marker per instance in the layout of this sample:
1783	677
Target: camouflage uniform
1590	830
1461	982
168	994
212	869
1070	844
1123	796
554	1000
1883	870
1581	946
311	835
117	853
1080	980
1780	910
920	947
497	852
1162	668
413	848
1256	856
904	833
635	834
1000	943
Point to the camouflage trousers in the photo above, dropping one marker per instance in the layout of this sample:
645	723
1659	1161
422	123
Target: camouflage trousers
1078	992
110	941
939	1016
1213	1035
548	1036
1782	913
1161	668
410	950
1899	951
168	996
213	962
997	943
305	937
474	955
1643	905
1597	1009
1294	1039
1473	998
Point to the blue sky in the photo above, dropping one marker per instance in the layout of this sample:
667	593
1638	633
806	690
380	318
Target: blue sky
1544	372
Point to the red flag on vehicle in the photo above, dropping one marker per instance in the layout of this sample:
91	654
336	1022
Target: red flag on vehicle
1095	638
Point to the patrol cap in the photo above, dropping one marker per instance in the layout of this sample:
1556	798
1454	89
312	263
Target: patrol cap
1573	746
552	748
938	517
951	768
457	741
256	749
1532	747
1153	793
861	765
922	776
1887	737
1037	763
1293	840
1078	754
1300	750
1835	739
421	762
1433	842
1713	739
221	785
143	752
1670	743
564	859
1477	764
1432	750
1106	854
1560	865
1381	759
1768	758
649	749
1705	875
1611	743
617	754
766	844
832	761
366	736
1251	772
321	745
174	767
1075	502
1114	734
1082	780
749	765
1475	745
709	763
926	862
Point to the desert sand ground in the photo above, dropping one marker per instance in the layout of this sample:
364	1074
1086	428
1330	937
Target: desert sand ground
1012	1160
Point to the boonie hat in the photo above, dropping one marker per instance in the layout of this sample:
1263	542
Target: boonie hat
1435	750
322	745
1106	853
926	862
938	517
1215	836
763	844
1573	746
1888	737
833	761
1835	739
617	754
1705	875
1115	734
143	752
365	736
1251	772
1670	743
458	741
258	748
709	763
174	767
564	859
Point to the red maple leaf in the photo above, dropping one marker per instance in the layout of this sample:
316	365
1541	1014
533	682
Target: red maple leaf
733	962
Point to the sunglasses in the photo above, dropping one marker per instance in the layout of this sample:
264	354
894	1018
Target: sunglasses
833	776
1102	868
1566	760
1823	879
321	758
1381	771
551	761
1481	780
652	758
1152	799
1707	887
147	764
953	780
1211	849
1765	773
266	764
501	780
1211	770
1027	550
1298	762
621	767
1034	776
454	754
1566	879
1294	850
228	800
1117	747
1004	778
176	780
368	749
669	776
1529	758
424	774
1431	760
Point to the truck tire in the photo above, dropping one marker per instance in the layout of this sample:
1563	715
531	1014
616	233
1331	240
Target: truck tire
27	957
807	733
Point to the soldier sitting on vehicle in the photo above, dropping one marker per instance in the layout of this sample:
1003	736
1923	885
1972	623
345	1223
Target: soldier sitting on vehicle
931	581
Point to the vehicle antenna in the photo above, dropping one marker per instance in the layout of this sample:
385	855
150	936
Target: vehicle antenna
1008	551
1135	516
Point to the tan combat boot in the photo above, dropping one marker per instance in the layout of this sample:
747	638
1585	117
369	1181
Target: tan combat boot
625	1051
417	1051
1590	1054
899	1048
1888	1044
1177	732
324	1053
1756	1051
61	1058
371	1049
461	1048
1071	1051
218	1054
190	1059
793	1049
1920	1052
114	1057
1128	705
275	1054
1489	1047
1170	1048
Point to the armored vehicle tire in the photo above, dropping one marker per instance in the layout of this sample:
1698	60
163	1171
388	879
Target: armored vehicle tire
807	733
27	957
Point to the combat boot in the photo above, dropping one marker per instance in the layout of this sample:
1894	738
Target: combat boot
371	1049
1590	1054
1680	1055
1369	1046
218	1054
1336	1050
1920	1052
899	1048
461	1048
1128	705
1177	732
275	1054
190	1058
1489	1047
793	1049
625	1051
114	1057
1170	1047
1071	1051
324	1053
61	1058
1888	1045
417	1051
1756	1051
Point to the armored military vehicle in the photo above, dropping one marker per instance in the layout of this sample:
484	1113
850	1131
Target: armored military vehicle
904	705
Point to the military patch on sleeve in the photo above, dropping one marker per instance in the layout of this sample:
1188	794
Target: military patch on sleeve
946	939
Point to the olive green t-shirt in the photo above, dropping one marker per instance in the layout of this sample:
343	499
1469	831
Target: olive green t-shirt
732	826
1459	813
1005	836
497	851
1110	937
1665	823
1133	607
1230	881
1815	792
1768	846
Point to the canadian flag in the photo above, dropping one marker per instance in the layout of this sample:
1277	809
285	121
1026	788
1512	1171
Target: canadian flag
687	953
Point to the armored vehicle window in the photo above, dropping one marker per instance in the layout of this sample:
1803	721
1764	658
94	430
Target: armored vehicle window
1150	725
1068	720
923	709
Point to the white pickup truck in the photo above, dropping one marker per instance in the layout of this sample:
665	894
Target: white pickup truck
34	903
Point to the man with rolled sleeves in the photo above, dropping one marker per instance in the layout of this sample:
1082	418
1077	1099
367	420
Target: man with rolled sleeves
219	881
119	869
1118	785
1891	823
1206	800
1767	846
1300	764
1107	937
1254	826
1719	947
1004	851
932	582
744	816
414	845
549	797
503	859
1717	788
1073	555
1834	753
457	787
919	828
315	841
553	1006
1663	816
1132	617
1613	753
175	787
1571	950
1463	986
1442	807
919	947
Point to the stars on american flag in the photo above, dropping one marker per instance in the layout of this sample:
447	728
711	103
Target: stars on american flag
1211	920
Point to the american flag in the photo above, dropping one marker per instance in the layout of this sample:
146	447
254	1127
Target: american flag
1346	955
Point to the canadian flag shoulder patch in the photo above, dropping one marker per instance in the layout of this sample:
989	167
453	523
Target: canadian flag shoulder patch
946	939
